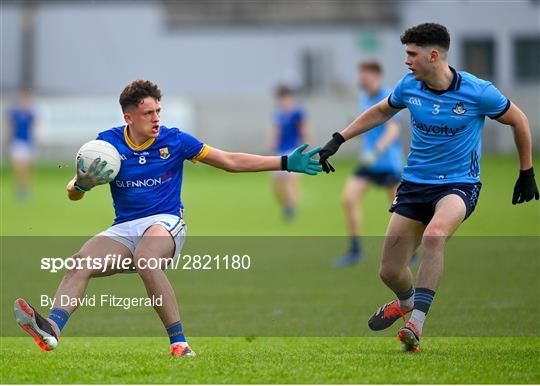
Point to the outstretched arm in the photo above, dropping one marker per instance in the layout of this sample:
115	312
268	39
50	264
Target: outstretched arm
244	162
373	117
525	188
241	162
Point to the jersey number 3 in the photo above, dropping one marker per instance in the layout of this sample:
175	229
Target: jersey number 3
435	109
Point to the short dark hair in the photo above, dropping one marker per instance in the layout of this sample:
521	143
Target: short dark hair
136	91
427	34
370	65
283	91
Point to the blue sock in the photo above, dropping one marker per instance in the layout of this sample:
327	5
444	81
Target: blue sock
59	316
423	297
176	333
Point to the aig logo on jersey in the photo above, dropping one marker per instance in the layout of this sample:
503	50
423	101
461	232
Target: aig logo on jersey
459	109
164	153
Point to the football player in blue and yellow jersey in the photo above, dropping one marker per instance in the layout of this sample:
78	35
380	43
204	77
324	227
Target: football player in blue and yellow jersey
22	122
441	181
290	130
148	220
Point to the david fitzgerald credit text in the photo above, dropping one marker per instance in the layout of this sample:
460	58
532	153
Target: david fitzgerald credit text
103	300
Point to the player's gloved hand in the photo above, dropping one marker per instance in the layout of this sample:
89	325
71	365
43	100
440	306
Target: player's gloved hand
93	176
301	163
525	188
330	149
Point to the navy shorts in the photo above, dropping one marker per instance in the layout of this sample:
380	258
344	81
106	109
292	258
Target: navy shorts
385	179
417	201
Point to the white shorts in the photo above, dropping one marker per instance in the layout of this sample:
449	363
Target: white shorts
129	233
21	151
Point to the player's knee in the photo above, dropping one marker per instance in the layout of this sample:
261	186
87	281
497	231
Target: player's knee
388	273
434	238
347	200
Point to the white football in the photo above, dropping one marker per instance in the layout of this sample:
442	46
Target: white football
102	149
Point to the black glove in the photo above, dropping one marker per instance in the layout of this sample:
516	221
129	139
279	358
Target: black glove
330	149
525	188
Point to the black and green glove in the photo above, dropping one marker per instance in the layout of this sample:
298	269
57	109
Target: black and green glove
330	149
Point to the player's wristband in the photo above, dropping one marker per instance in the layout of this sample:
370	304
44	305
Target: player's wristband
527	173
80	188
284	162
338	138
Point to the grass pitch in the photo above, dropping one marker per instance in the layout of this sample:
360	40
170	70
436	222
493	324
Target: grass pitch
273	360
483	327
220	203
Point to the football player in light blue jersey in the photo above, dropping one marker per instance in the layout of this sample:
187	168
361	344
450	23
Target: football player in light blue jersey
149	224
381	159
441	181
290	130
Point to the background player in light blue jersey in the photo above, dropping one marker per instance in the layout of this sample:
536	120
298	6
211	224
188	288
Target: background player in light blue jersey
290	130
381	159
441	181
149	222
21	141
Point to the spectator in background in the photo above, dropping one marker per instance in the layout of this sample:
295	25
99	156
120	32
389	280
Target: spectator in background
380	162
21	138
289	132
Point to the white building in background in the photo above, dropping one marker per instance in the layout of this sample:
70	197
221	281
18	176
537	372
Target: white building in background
227	73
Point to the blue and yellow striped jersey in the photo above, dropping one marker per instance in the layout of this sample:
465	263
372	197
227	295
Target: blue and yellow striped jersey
150	177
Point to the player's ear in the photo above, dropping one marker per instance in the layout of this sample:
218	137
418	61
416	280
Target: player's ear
127	118
433	55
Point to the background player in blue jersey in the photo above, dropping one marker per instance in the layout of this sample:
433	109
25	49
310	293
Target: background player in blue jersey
290	130
380	159
441	181
149	223
21	122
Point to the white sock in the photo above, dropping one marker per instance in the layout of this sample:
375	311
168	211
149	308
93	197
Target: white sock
407	303
417	318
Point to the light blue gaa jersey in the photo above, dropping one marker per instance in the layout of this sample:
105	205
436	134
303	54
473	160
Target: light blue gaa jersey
288	124
391	159
150	177
447	126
